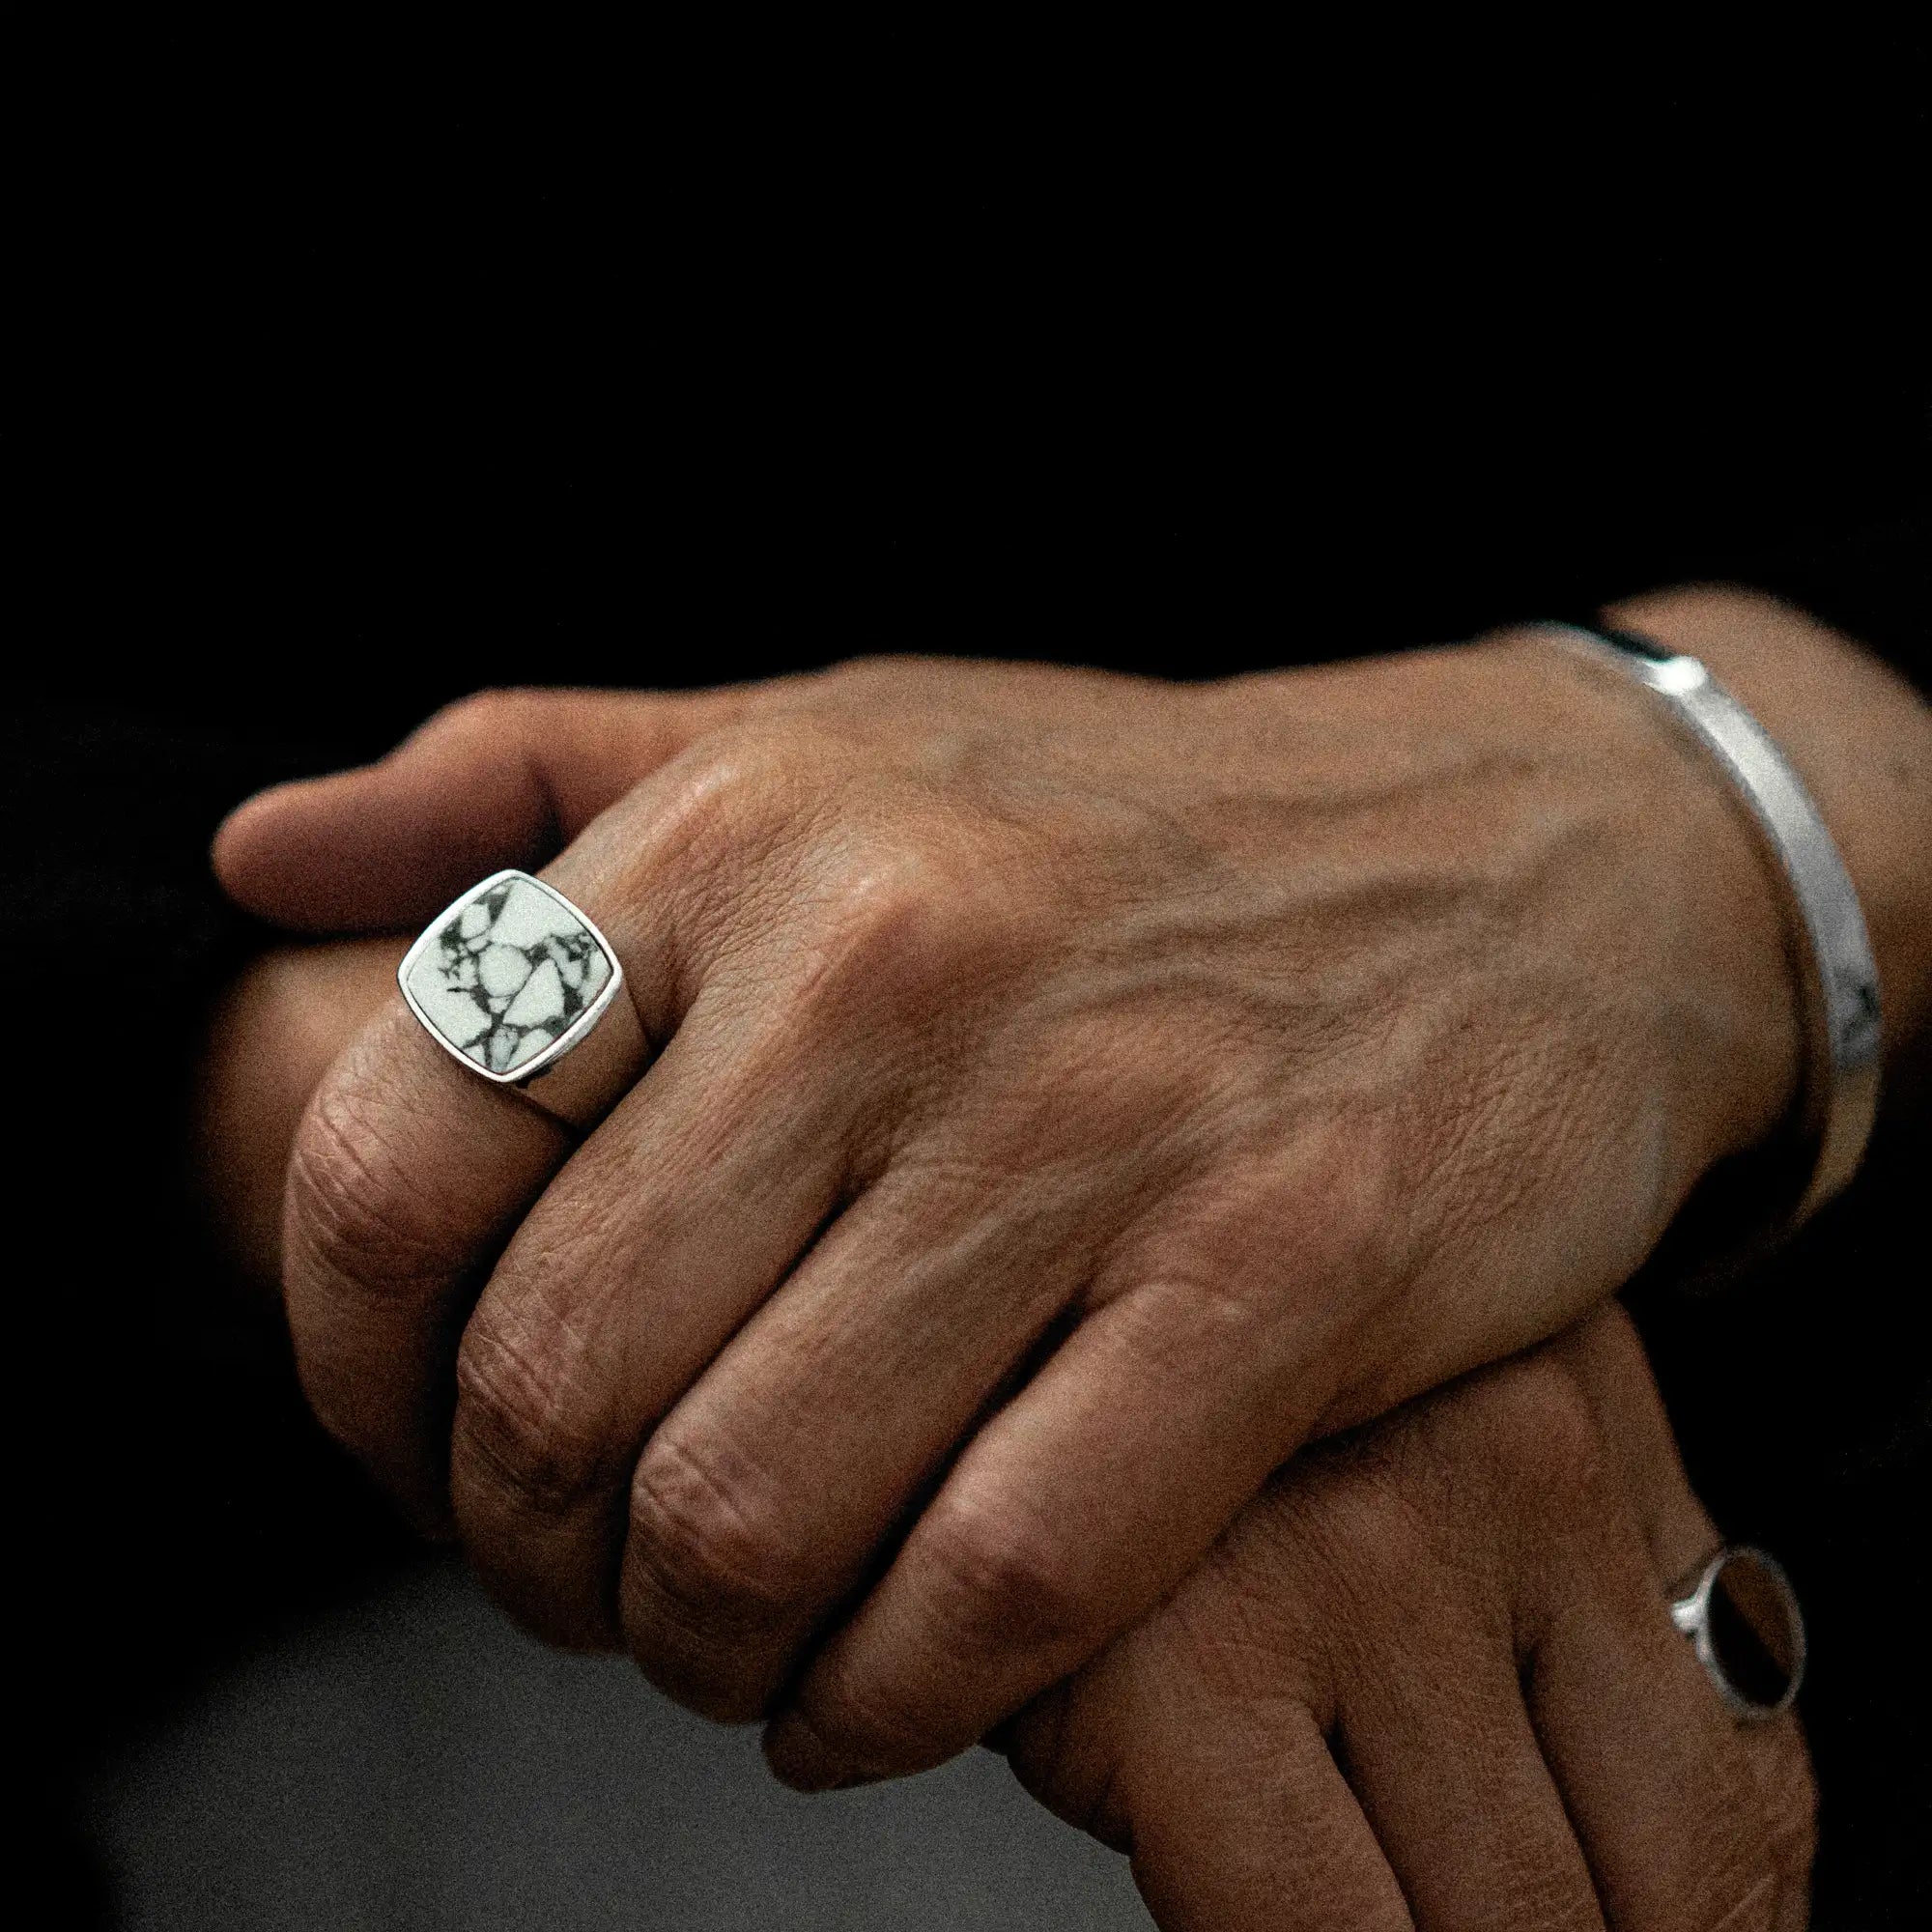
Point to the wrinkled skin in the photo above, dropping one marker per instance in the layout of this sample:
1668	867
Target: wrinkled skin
1075	1092
1426	1678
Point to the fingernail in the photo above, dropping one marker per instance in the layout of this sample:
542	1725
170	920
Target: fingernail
802	1760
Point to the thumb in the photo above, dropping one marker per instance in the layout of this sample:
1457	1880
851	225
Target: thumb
505	778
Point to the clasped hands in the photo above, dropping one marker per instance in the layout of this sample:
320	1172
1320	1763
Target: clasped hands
1074	1094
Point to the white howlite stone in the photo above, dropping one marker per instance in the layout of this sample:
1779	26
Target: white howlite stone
529	917
540	1001
502	969
532	1043
508	975
454	1012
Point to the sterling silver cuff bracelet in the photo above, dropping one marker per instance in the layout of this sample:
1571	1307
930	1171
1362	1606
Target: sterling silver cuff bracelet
1839	996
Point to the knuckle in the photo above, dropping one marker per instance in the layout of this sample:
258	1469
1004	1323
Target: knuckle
706	804
355	1213
704	1550
1371	1540
1260	1237
900	902
1543	1422
719	772
484	711
814	695
737	798
901	929
498	715
998	1580
527	1434
887	673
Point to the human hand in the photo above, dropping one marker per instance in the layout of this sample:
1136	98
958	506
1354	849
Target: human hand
1075	1093
1428	1679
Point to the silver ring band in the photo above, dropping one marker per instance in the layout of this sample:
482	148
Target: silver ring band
1743	1622
516	983
1839	991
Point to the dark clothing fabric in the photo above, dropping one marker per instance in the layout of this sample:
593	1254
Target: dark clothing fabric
358	426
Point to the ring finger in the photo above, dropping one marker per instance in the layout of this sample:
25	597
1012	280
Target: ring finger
1689	1818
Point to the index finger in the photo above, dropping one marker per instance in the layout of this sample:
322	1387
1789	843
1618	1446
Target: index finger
406	1174
409	1173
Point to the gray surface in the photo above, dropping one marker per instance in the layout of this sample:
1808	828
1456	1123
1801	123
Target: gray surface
414	1762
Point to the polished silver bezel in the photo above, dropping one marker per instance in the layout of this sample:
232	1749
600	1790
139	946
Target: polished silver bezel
571	1037
1691	1614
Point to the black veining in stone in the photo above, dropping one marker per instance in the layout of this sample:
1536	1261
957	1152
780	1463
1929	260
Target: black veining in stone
459	956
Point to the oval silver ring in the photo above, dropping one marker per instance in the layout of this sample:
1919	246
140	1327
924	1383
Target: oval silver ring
1746	1625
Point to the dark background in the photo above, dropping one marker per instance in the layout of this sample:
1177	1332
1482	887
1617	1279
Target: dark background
1196	354
652	366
